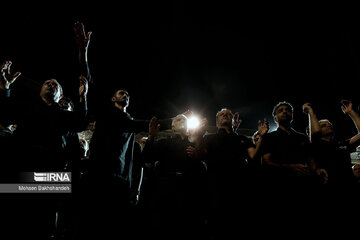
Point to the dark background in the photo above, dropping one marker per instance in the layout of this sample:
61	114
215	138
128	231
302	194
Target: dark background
177	55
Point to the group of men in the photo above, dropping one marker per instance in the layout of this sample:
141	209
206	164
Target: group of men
204	184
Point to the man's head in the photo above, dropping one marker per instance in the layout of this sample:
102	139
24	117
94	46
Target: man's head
179	124
356	170
224	118
283	113
121	97
51	90
326	128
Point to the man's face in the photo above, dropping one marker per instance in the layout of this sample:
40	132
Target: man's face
121	97
180	124
326	128
356	170
51	89
224	118
283	114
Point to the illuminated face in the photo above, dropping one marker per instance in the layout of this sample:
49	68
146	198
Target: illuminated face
283	114
51	90
356	170
179	124
121	97
224	118
326	128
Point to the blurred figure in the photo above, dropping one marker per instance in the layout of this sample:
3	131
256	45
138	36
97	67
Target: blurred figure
178	190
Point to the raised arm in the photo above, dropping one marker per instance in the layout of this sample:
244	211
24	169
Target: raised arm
262	130
347	108
6	78
314	126
77	120
83	40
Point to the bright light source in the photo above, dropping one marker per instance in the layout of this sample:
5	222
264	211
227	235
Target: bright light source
193	122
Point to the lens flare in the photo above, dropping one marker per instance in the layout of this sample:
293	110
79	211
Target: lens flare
193	122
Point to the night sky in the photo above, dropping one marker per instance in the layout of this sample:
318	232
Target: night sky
175	56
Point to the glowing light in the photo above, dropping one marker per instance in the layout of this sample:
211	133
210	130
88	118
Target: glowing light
193	122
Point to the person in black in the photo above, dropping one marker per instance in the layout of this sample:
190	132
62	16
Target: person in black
289	175
41	127
333	155
8	169
286	153
111	166
230	189
177	203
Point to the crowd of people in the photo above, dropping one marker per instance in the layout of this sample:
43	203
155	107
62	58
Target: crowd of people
192	184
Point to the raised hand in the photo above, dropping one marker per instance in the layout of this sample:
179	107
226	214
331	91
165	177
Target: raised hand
236	122
263	128
6	78
346	106
307	108
82	38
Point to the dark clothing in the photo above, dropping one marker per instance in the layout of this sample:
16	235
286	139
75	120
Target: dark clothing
40	147
8	170
285	148
174	169
112	150
228	197
227	158
112	145
178	196
335	158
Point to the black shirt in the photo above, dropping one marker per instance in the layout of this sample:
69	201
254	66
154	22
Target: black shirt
335	158
112	144
40	132
178	178
286	148
227	157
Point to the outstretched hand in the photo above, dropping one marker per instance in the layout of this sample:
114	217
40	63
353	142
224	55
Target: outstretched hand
82	38
6	78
